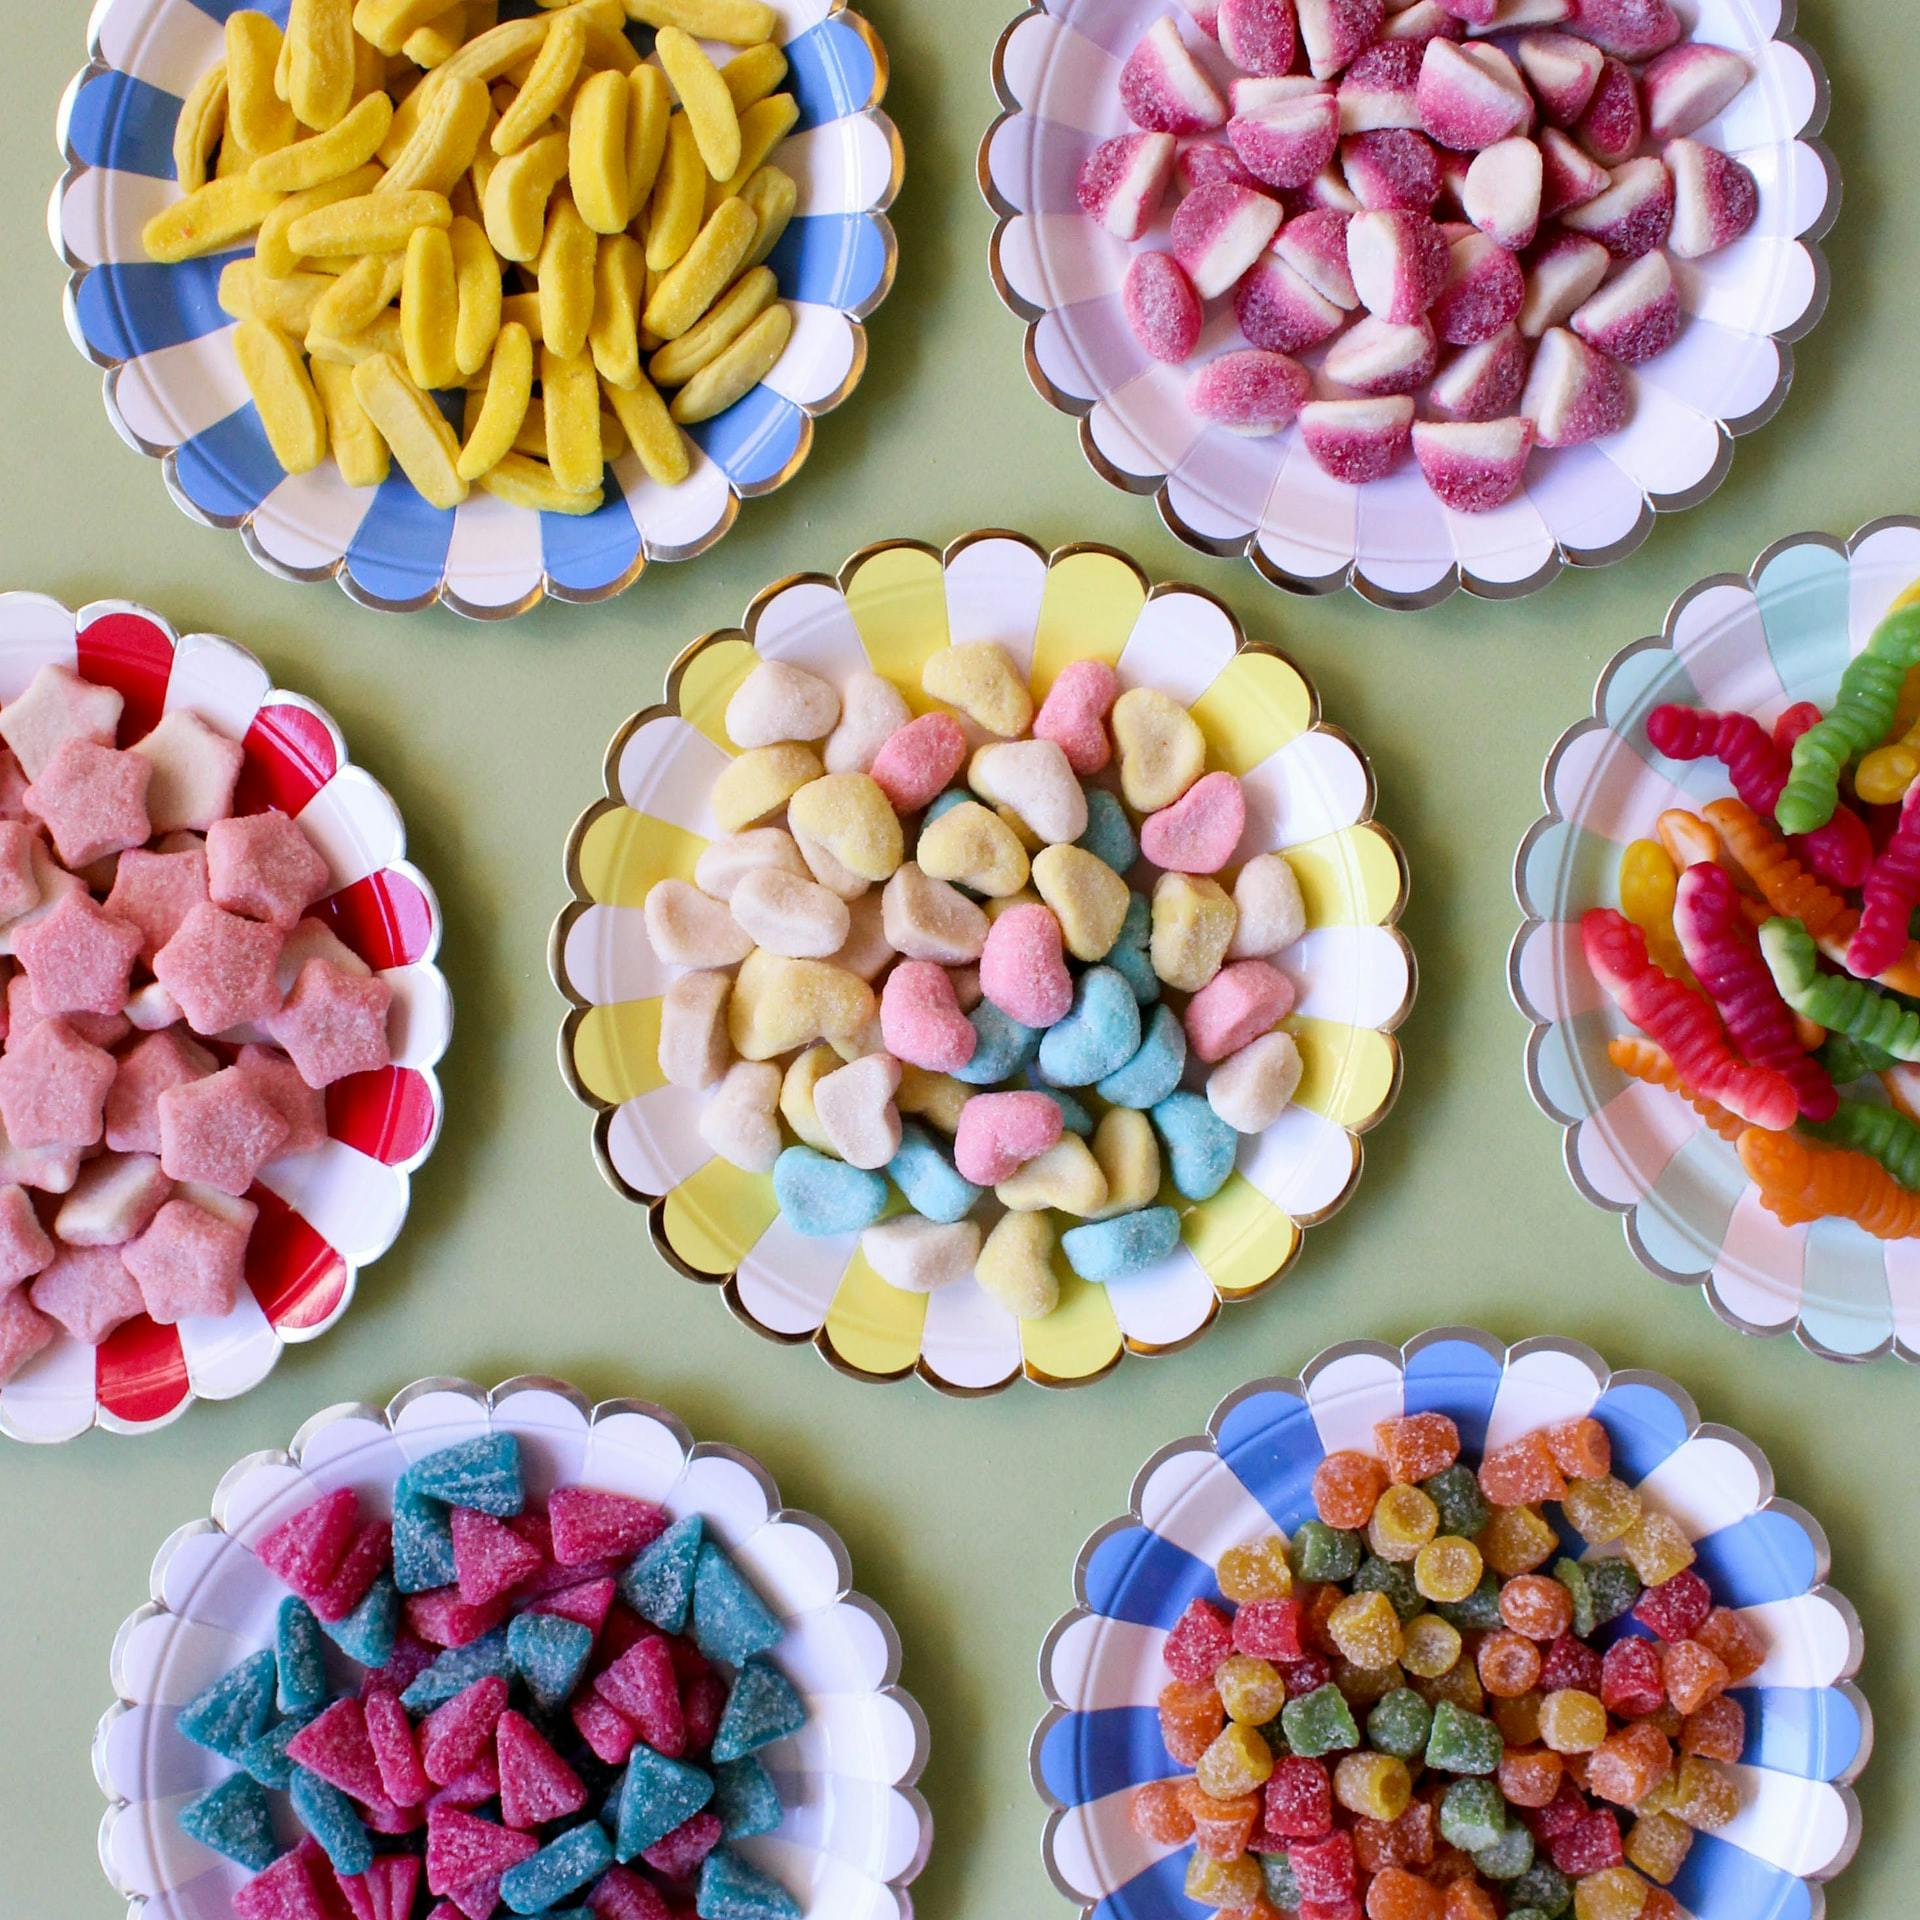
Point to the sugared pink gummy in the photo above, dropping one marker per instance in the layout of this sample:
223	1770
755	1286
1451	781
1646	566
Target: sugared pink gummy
1163	87
396	1751
285	1891
334	1023
474	1788
536	1785
679	1854
488	1557
1612	125
1124	180
305	1549
24	1012
78	957
1252	390
609	1733
24	1331
920	1018
703	1699
1257	35
88	1290
19	890
1000	1132
24	1246
144	1072
278	1082
440	1615
1200	831
1161	307
387	1889
53	1087
1391	169
591	1525
458	1731
220	968
620	1894
463	1849
190	1263
1218	231
1074	713
1357	441
641	1687
93	800
155	891
263	865
588	1602
359	1567
916	762
1240	1003
336	1747
1023	967
219	1131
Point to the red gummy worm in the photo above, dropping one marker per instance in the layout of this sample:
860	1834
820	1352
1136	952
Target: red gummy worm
1802	717
1725	958
1758	764
1683	1022
1891	893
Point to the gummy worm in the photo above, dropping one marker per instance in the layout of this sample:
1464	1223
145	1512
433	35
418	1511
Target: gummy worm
1641	1060
1881	1134
1714	937
1681	1021
1687	838
1793	723
1648	878
1848	1006
1903	1089
1892	892
1799	1182
1862	717
1840	851
1763	857
1849	1060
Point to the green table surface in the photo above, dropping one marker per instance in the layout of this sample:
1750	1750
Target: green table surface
963	1518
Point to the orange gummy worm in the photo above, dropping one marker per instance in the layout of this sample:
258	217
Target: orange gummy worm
1642	1060
1790	890
1687	838
1799	1182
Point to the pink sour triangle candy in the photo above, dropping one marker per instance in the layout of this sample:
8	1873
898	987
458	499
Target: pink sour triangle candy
463	1849
536	1785
285	1891
590	1525
386	1890
359	1567
642	1687
336	1747
306	1549
442	1617
396	1750
608	1732
620	1894
455	1733
488	1557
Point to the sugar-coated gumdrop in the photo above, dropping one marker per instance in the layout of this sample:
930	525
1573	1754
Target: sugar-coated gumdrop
762	1708
235	1820
455	1668
489	1558
656	1795
642	1687
1152	1071
285	1891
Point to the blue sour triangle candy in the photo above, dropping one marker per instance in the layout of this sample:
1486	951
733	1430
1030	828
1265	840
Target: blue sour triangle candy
227	1717
561	1867
762	1708
731	1622
658	1583
729	1889
328	1815
457	1669
300	1673
422	1544
549	1652
482	1473
656	1795
367	1634
234	1819
746	1799
266	1758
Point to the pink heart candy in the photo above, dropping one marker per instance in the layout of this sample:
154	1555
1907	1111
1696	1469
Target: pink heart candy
1023	967
1238	1005
921	1021
1200	831
1000	1132
916	761
1073	715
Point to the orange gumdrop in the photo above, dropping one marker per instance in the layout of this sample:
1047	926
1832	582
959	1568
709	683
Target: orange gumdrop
1628	1764
1418	1445
1397	1894
1160	1813
1540	1608
1717	1731
1530	1777
1191	1716
1508	1664
1521	1474
1693	1675
1582	1449
1221	1828
1468	1900
1346	1488
1733	1638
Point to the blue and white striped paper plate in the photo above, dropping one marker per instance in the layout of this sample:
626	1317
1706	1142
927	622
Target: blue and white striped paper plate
174	392
1808	1728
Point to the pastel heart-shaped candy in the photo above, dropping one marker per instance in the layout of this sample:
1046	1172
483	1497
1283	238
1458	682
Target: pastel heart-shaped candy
1000	1132
1023	967
920	1018
1199	832
1098	1035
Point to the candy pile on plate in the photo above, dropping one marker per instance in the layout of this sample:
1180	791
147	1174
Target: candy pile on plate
1481	224
1400	1714
173	1015
438	200
1763	944
1036	1014
489	1702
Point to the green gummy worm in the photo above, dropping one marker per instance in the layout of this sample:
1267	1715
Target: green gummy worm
1836	1001
1847	1060
1861	718
1889	1136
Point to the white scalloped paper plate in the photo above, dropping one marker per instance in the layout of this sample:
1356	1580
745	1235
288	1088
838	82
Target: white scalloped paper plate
856	1831
1055	71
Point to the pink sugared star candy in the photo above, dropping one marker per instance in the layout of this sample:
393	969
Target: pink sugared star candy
220	968
219	1131
80	958
264	866
302	1107
156	891
189	1261
56	707
13	786
24	1011
144	1072
19	890
334	1023
25	1248
194	770
53	1086
89	1291
112	1200
24	1330
93	800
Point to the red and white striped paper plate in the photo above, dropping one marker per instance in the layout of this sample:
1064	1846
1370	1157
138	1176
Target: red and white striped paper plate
323	1215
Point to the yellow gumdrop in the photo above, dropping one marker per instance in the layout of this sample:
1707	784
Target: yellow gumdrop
780	1004
850	815
1193	921
1374	1785
937	1097
975	848
1366	1629
1431	1646
1238	1761
1016	1266
1087	897
978	678
757	785
1066	1177
1252	1690
1257	1570
358	451
1162	750
796	1095
1129	1157
1656	1549
1446	1569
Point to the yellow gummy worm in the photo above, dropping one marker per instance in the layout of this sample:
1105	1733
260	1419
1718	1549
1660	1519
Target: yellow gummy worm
566	270
772	195
358	451
273	251
209	218
619	285
429	309
1649	885
660	446
597	151
476	275
367	223
518	189
740	23
703	272
737	371
413	427
752	75
555	68
725	321
356	298
320	61
248	294
1884	775
440	39
203	118
256	115
570	397
703	94
283	395
348	350
509	390
349	143
445	137
386	23
762	127
648	109
679	197
522	482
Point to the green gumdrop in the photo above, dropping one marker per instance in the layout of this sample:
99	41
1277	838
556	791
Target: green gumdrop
1323	1554
1463	1742
1573	1576
1456	1495
1542	1889
1473	1815
1399	1724
1479	1612
1319	1723
1394	1578
1614	1586
1509	1856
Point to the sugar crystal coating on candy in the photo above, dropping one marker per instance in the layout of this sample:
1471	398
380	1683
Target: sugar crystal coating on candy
1612	126
658	1585
220	968
1474	466
1573	394
1218	232
921	1256
482	1472
230	1712
1470	97
730	1620
1714	198
730	1889
1689	85
92	800
1284	142
78	958
279	1082
1163	87
219	1131
462	1848
536	1785
1355	441
1123	181
57	706
24	1246
745	1799
235	1820
642	1688
778	701
1484	290
1569	177
53	1088
1152	1071
1334	32
1098	1035
1074	712
1106	1250
1636	212
656	1795
762	1708
329	1818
